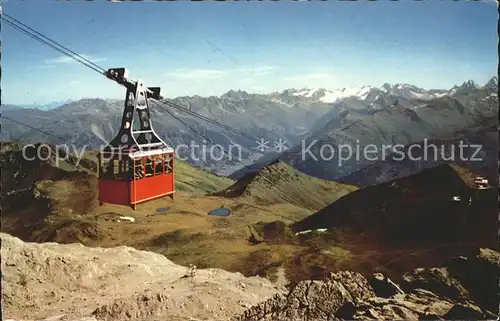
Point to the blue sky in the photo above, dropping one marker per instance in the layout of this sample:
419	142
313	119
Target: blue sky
208	48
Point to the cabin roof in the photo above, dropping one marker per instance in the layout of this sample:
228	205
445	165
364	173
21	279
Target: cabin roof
134	153
143	153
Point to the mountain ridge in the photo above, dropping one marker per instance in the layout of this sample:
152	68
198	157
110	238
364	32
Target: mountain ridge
308	91
440	205
280	116
278	183
403	123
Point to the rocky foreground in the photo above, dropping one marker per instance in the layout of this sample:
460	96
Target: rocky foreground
467	289
77	283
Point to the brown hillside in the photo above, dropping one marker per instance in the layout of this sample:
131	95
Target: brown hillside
280	183
36	193
416	209
52	208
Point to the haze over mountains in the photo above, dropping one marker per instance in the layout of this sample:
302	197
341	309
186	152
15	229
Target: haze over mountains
469	109
479	154
390	114
47	106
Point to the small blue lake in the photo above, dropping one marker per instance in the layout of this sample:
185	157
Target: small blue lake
220	212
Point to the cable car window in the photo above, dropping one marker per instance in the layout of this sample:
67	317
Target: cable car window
138	169
124	166
130	169
104	169
159	165
168	163
124	169
149	167
116	167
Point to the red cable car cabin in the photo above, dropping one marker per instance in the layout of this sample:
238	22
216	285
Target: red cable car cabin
136	166
132	178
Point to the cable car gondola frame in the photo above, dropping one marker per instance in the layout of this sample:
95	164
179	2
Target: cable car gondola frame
137	165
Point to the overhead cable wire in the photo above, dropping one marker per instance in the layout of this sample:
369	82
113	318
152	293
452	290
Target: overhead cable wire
53	41
273	184
36	129
207	119
70	53
200	134
99	70
74	55
48	134
13	25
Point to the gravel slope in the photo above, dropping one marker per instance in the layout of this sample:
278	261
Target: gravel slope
70	282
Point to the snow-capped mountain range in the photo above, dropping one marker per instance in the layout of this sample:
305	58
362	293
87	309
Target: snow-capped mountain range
328	96
290	115
407	91
334	95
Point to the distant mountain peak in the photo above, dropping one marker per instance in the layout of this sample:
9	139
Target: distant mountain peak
464	87
469	84
386	87
331	95
410	91
493	82
400	86
307	92
236	94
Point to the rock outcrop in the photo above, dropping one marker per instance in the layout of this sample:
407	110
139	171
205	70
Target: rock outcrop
50	281
432	293
74	282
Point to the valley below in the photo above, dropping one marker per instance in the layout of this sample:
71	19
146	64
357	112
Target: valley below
302	239
285	228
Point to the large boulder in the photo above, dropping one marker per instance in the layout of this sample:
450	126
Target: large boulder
313	300
437	280
466	289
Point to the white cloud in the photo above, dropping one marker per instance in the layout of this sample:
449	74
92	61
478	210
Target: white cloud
199	74
67	59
